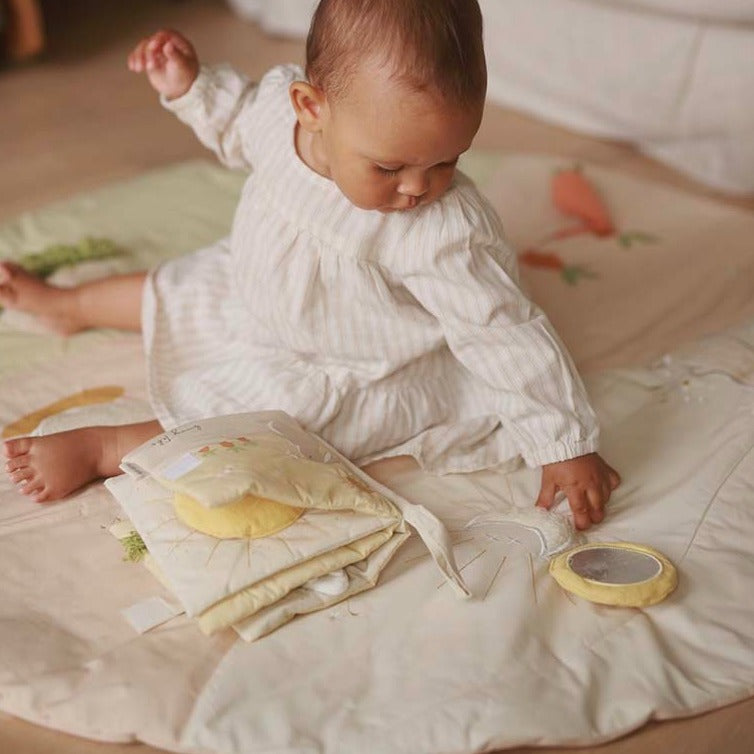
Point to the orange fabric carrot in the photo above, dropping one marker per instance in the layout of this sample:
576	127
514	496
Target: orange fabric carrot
574	195
548	260
543	260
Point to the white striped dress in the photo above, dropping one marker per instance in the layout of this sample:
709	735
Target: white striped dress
387	334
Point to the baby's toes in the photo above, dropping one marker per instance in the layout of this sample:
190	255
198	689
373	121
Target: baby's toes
41	495
31	486
21	476
17	448
7	295
16	463
9	271
6	272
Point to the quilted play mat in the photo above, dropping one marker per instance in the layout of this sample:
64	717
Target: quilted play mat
652	290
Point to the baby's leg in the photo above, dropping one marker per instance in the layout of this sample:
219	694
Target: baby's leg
52	466
108	302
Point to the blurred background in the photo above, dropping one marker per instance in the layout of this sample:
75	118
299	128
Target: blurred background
656	88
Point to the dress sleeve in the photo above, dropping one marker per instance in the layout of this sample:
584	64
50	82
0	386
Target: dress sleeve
216	107
508	343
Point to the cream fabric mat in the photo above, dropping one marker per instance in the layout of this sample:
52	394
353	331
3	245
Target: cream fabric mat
406	668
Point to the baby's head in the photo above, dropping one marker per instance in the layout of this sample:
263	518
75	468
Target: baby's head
395	94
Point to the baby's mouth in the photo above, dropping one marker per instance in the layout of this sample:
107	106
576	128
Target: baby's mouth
411	203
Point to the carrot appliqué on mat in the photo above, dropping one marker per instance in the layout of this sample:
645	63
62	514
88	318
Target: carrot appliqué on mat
575	196
549	260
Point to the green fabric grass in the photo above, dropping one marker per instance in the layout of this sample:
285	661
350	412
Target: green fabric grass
44	263
134	547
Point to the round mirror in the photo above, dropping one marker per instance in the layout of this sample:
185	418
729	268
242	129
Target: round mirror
611	565
618	573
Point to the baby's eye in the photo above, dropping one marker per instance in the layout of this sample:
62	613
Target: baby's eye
387	171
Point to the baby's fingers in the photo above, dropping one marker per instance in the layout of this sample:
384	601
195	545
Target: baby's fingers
154	53
546	493
144	50
169	44
175	54
581	508
151	52
137	60
182	45
596	501
614	476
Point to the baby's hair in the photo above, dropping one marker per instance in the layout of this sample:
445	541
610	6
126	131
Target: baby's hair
433	45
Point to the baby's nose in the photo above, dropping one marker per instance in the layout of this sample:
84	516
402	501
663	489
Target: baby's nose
414	183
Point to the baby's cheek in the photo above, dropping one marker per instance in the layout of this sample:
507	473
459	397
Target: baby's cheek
437	189
376	192
441	182
447	179
357	189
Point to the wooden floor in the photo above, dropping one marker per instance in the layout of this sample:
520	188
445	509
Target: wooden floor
78	118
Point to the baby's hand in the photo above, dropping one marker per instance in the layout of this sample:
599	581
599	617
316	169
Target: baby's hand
587	482
169	60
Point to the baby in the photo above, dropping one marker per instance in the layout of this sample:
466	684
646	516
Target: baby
365	288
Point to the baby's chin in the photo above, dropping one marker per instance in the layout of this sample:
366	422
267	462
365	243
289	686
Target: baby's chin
369	206
389	209
399	210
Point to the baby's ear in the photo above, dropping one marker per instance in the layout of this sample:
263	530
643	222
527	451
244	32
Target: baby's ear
309	103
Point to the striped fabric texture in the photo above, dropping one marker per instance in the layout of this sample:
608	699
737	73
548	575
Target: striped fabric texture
387	334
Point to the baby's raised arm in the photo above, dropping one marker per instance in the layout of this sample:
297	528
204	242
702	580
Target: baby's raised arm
169	60
217	102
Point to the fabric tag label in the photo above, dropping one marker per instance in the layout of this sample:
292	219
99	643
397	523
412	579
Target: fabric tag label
177	469
150	613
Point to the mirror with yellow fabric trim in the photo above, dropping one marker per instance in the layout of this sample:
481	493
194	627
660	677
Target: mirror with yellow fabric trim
615	573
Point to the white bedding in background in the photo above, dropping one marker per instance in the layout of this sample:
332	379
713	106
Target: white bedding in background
287	17
674	77
677	86
715	10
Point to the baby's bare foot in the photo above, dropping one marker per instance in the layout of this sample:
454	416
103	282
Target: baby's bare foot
53	307
52	466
